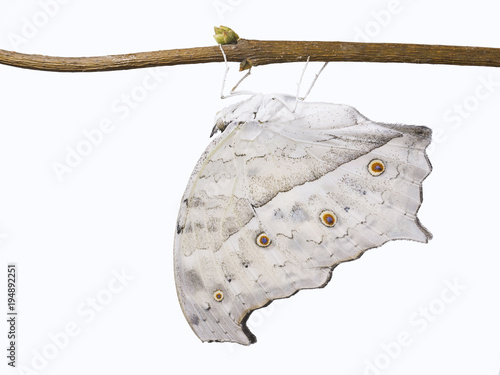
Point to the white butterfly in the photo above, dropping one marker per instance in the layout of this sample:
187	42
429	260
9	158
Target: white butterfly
282	197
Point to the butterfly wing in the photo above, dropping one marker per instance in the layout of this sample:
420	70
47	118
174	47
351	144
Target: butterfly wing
273	206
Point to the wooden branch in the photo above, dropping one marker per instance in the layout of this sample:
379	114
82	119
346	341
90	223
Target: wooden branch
259	52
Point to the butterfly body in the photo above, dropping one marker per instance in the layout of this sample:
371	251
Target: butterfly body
281	197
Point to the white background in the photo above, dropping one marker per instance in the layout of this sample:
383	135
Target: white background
115	212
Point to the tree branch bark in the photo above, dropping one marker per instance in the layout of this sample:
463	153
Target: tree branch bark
259	52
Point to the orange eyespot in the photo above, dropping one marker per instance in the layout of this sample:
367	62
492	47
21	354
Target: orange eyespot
218	295
376	167
263	240
328	218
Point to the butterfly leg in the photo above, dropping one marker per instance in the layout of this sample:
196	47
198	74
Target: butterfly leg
233	90
301	98
297	97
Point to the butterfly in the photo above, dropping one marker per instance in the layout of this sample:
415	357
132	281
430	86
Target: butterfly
284	194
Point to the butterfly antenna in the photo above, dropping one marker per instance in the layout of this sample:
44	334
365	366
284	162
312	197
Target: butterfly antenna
232	92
